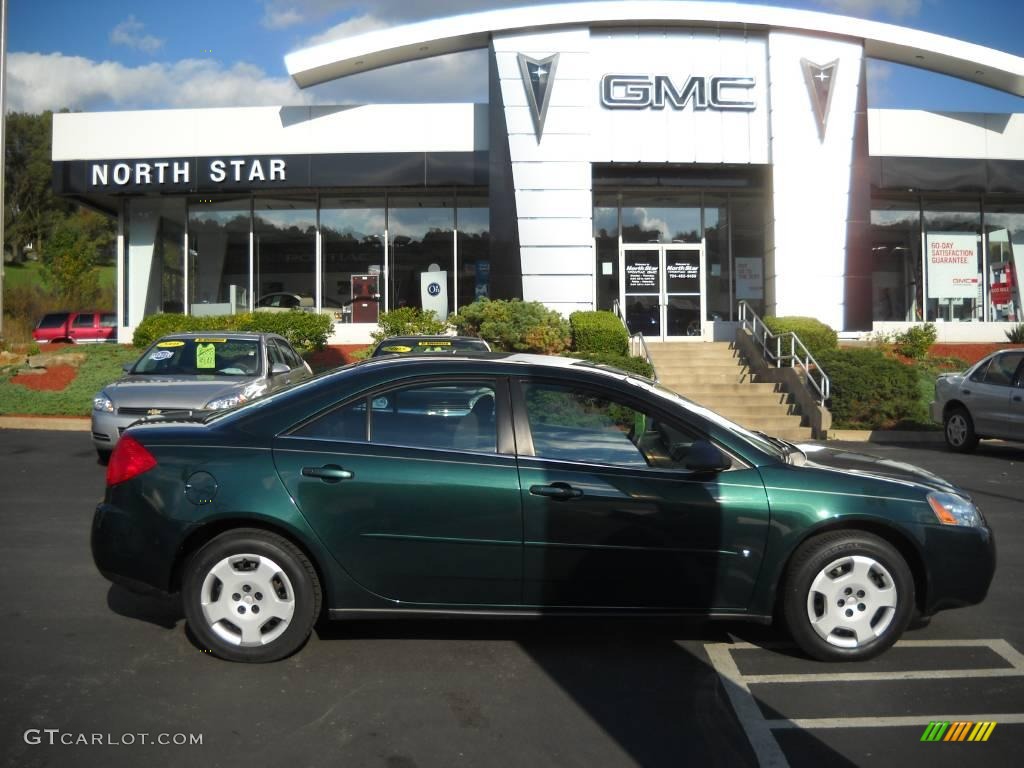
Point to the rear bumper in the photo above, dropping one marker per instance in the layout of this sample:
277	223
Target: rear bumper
962	564
123	552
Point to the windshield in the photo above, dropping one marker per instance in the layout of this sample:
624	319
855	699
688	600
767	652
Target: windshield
53	321
212	356
430	346
765	443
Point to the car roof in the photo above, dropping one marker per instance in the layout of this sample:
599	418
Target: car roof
553	362
239	335
429	337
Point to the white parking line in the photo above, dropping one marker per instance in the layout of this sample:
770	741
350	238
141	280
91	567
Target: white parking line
759	729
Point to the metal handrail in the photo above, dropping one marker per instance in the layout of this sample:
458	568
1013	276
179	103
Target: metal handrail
773	348
637	344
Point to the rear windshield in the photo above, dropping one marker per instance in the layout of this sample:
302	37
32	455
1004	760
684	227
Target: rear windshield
207	356
55	320
430	346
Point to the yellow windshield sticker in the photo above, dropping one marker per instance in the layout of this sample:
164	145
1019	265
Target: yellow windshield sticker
433	343
397	349
206	356
211	341
171	344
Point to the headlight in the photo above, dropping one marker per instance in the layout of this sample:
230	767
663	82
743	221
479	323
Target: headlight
253	390
102	403
953	510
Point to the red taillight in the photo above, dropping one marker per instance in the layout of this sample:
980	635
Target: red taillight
130	458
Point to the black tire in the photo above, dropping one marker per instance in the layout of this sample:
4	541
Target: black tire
295	583
102	456
958	428
821	564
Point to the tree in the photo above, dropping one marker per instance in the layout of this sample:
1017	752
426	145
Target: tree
70	256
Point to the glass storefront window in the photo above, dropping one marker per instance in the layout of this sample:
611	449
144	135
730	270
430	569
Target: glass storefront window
606	243
154	257
218	256
421	233
284	253
896	261
352	244
952	234
748	249
660	218
473	222
717	262
1004	243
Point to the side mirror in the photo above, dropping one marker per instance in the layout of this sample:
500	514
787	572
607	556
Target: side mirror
278	368
706	457
127	367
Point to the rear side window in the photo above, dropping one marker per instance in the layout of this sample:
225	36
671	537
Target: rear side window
1002	368
108	320
83	321
54	320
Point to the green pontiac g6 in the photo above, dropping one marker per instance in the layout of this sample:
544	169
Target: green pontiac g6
522	485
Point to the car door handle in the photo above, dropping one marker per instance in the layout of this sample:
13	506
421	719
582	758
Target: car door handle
559	491
966	391
329	473
1017	398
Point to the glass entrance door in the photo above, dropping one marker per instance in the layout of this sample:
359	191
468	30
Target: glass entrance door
662	290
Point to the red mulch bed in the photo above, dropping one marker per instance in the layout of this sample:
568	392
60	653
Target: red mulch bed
331	357
972	353
52	379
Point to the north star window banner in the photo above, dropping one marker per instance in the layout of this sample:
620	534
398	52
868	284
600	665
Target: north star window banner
952	265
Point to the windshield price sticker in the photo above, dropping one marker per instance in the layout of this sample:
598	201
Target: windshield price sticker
433	343
171	344
211	341
163	354
206	355
398	349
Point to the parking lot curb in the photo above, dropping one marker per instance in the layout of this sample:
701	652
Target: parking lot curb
53	423
886	436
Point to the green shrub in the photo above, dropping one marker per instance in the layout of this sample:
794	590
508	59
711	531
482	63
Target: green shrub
304	330
1016	334
870	390
915	341
407	321
514	326
598	332
625	363
816	336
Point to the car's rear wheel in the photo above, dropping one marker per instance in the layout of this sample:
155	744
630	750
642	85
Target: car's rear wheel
103	456
250	595
849	596
959	430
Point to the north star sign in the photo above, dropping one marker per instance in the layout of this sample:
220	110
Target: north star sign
155	173
659	91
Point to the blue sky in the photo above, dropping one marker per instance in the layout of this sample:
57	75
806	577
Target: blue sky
119	54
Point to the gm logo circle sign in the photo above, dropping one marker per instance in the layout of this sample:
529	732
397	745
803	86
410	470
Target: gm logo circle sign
434	289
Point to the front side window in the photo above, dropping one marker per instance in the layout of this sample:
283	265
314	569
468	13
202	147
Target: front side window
82	321
437	415
580	425
1002	369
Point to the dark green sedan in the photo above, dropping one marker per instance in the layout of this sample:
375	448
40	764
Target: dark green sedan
523	485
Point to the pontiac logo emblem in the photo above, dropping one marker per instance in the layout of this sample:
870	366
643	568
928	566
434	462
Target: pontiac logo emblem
819	79
538	76
153	412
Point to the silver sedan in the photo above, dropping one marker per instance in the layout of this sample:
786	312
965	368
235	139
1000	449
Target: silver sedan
987	400
188	372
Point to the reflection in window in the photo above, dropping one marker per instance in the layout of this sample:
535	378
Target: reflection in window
606	242
422	253
218	241
661	219
748	249
352	239
474	226
953	256
895	261
1004	240
154	274
285	252
717	261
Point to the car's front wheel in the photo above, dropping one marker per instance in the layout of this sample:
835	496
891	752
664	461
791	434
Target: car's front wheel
848	596
250	595
959	429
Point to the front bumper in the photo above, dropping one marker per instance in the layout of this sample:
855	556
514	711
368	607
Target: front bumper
935	411
961	563
107	428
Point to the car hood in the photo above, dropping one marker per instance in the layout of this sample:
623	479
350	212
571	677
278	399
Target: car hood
851	462
173	391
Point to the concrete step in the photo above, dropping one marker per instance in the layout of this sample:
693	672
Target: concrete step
744	412
674	380
695	390
691	366
758	399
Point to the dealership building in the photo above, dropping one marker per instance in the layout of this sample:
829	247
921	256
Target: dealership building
670	158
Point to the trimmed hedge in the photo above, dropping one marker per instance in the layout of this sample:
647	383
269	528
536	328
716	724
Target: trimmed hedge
816	336
600	332
870	390
514	326
304	330
407	321
625	363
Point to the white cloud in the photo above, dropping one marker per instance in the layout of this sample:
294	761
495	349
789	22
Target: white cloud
897	9
131	32
38	81
354	26
878	75
275	18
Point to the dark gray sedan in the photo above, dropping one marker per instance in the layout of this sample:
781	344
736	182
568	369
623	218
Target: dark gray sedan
187	372
987	400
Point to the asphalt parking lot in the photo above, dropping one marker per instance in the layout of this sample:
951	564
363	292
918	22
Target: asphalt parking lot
83	659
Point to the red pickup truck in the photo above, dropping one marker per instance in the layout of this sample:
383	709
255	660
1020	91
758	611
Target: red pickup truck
76	328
